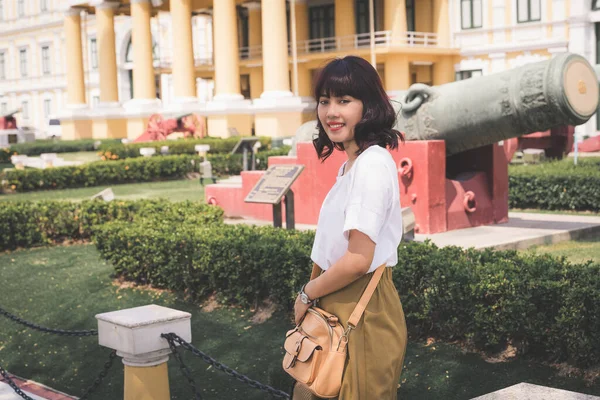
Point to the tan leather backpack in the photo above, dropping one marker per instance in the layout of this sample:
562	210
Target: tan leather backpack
316	349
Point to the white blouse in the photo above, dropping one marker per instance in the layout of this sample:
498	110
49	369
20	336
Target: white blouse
365	198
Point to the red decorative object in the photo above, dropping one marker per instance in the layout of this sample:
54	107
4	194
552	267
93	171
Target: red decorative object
192	125
556	142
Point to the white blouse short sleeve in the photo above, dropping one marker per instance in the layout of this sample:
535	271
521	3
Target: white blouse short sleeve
367	199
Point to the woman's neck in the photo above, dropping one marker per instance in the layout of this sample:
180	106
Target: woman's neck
351	148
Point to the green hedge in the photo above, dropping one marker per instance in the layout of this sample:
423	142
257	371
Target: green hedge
542	305
52	146
28	224
558	185
182	146
231	164
99	173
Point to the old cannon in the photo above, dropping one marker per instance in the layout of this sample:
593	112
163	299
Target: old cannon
452	169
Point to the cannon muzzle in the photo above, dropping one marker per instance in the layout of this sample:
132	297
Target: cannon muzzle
480	111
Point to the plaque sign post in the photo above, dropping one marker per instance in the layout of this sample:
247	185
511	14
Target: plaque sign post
272	187
245	145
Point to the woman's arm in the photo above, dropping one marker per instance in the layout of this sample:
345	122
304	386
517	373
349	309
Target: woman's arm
351	266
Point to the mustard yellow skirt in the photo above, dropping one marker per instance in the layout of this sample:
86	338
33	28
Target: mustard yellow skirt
376	347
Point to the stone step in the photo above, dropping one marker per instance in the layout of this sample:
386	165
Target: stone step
527	391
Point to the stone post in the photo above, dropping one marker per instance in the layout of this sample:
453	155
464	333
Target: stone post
135	334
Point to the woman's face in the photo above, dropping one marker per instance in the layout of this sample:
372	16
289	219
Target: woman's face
339	116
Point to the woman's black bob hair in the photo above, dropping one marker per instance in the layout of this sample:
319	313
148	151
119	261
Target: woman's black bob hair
354	76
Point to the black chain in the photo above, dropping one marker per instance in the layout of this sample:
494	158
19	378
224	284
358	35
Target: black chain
13	385
47	330
184	369
101	376
85	395
222	367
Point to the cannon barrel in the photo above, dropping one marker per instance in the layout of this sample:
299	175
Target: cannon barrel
480	111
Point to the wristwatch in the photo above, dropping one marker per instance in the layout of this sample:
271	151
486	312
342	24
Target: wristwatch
304	297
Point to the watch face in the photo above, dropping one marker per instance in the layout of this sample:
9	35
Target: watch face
304	298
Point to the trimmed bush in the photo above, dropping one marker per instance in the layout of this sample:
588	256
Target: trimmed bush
28	224
558	185
114	151
541	304
52	146
100	173
231	164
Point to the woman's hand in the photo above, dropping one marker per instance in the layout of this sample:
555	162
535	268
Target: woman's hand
300	309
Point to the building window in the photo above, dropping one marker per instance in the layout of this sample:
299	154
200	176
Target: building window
44	5
362	16
529	10
322	25
243	35
46	60
25	109
461	75
470	12
47	107
1	9
595	4
245	85
94	53
3	108
2	65
410	15
95	101
21	8
322	21
23	62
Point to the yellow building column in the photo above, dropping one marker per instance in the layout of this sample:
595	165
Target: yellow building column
443	70
108	121
144	102
227	63
184	77
74	59
105	19
228	109
144	86
397	73
278	111
345	18
254	40
302	25
394	14
275	50
441	22
75	118
254	23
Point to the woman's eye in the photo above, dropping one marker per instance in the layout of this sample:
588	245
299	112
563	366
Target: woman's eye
323	102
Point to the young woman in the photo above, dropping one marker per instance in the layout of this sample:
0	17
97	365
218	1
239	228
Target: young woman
359	227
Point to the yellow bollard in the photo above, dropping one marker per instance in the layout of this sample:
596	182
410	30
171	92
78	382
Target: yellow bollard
147	383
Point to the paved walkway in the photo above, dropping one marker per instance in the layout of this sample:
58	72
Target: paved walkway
523	230
32	389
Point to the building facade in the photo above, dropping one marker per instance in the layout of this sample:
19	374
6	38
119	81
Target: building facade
103	67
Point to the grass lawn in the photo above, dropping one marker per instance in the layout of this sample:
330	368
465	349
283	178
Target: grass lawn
576	251
85	156
177	190
64	287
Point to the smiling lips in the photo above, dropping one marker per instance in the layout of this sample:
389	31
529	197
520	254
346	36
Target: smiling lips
335	127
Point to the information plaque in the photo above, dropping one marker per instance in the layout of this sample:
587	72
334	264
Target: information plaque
272	187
